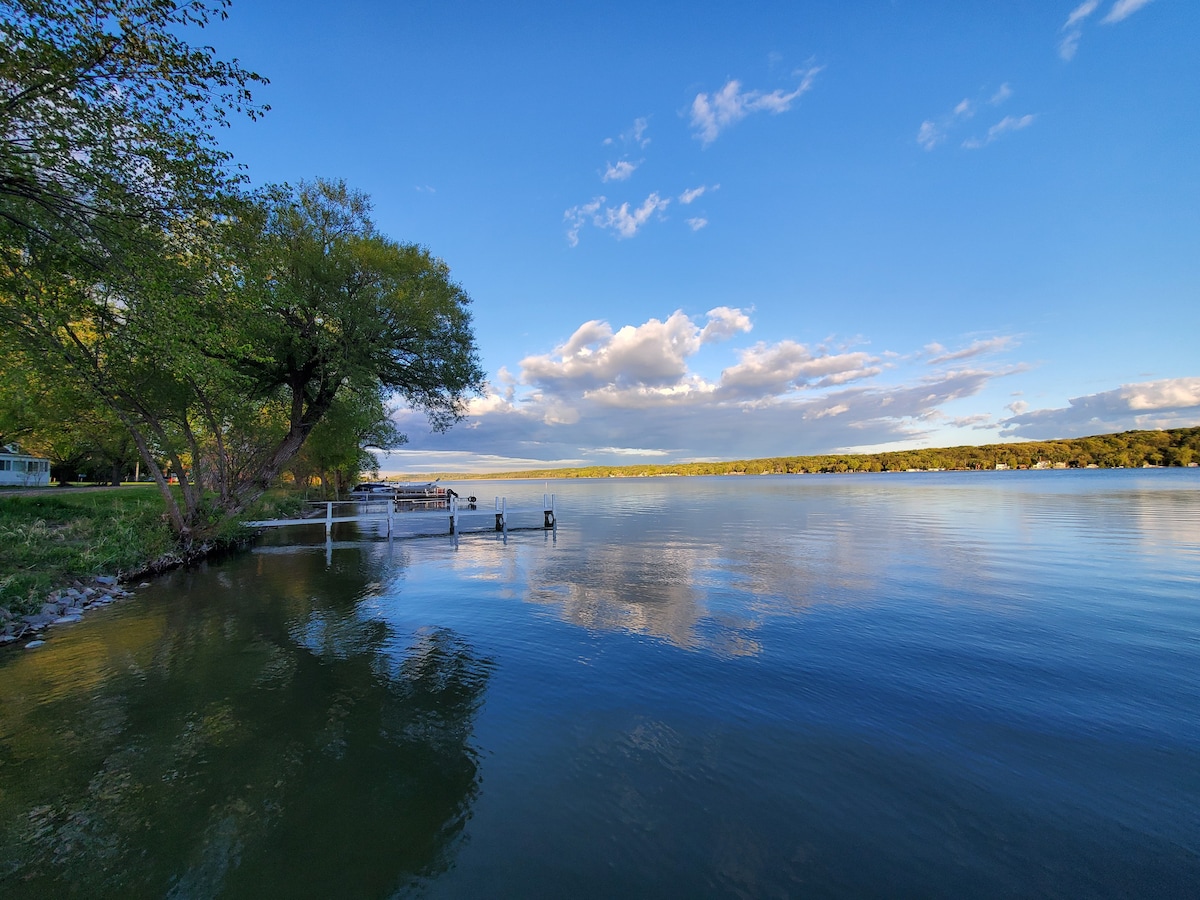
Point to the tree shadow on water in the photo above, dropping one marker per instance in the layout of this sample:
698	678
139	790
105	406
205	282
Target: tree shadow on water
269	768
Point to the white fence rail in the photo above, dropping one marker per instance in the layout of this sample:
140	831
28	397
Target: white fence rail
395	512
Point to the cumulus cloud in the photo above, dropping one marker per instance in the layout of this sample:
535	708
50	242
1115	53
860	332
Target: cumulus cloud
619	171
697	222
635	392
647	359
1166	403
724	323
691	424
773	369
624	220
1001	128
713	113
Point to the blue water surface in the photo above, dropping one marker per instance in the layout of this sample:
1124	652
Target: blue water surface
920	684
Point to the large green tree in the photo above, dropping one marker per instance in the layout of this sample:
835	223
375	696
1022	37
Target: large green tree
224	353
107	118
218	329
339	448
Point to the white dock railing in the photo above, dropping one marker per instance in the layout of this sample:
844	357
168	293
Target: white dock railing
391	515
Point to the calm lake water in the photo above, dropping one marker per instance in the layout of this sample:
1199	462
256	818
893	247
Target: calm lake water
922	685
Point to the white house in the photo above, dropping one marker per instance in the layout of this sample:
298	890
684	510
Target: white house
21	468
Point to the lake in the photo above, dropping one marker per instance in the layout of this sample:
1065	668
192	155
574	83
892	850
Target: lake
895	685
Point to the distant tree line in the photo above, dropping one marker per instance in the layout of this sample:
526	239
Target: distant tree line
1127	449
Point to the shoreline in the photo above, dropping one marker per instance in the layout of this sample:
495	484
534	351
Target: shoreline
68	605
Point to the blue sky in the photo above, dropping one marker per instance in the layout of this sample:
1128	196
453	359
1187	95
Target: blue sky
697	231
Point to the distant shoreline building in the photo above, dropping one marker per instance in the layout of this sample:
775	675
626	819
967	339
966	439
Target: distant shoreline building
17	468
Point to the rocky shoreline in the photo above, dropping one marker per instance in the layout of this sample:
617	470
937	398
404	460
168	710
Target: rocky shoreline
64	606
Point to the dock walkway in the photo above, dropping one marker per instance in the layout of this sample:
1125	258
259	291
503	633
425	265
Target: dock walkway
397	512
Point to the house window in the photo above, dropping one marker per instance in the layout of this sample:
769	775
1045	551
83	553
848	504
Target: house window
5	465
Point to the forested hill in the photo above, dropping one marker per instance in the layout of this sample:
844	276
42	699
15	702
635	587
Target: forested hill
1177	447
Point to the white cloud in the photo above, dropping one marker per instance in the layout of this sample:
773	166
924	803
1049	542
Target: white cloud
770	370
1123	9
978	421
1069	45
577	216
713	113
696	193
632	392
724	323
619	171
697	223
1073	27
625	220
977	348
411	462
1081	12
635	136
1004	126
631	451
1166	403
651	355
929	135
934	131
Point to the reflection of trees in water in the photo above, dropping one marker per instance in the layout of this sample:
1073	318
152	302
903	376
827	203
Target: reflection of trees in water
248	755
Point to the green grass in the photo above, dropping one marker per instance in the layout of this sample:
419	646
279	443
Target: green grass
48	541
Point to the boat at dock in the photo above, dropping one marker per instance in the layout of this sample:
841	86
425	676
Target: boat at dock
429	494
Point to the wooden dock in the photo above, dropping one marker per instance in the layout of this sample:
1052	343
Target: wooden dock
394	512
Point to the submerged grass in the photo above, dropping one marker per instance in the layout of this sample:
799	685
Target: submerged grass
50	540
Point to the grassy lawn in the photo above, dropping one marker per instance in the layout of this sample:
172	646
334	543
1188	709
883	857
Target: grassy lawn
47	541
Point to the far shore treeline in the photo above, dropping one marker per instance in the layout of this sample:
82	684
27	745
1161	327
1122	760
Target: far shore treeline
1127	449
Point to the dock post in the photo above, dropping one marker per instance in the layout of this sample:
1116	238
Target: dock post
501	511
328	518
453	515
548	510
391	509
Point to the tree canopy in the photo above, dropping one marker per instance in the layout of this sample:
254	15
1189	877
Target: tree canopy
217	327
224	361
107	118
